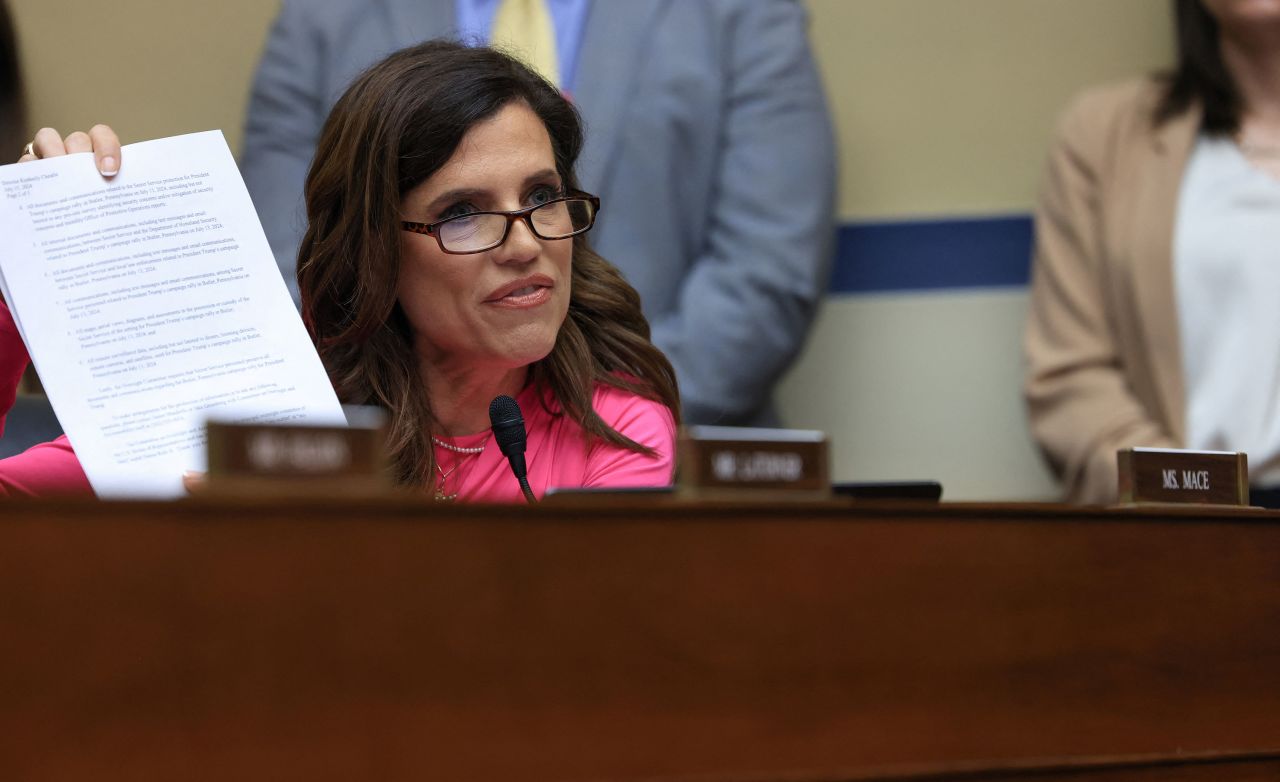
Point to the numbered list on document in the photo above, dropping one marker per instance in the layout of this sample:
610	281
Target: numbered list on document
149	303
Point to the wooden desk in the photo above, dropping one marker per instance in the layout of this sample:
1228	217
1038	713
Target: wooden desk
395	640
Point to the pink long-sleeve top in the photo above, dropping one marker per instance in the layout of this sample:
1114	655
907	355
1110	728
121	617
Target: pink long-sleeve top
558	452
48	468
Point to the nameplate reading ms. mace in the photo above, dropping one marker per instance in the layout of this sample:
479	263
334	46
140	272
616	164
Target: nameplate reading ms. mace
150	302
1171	475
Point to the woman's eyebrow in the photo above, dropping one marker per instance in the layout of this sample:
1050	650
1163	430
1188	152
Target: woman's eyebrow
448	197
470	193
541	176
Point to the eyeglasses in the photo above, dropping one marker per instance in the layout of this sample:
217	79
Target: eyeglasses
559	218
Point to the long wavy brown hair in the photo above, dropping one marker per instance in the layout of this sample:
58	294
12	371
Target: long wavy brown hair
395	126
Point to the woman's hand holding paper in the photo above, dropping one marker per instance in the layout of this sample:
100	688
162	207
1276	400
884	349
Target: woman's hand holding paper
101	140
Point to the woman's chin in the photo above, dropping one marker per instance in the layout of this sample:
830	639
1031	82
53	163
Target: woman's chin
522	351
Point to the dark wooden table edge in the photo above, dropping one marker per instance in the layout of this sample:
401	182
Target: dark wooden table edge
323	505
1045	768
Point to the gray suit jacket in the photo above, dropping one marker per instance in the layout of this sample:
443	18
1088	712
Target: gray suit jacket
708	142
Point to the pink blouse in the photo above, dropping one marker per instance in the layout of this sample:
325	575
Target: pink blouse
558	453
48	468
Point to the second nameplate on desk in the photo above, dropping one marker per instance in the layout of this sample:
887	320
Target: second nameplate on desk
738	462
284	459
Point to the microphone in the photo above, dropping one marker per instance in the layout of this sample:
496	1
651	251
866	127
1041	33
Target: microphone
508	431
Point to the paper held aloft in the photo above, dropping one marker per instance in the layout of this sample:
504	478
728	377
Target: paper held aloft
149	302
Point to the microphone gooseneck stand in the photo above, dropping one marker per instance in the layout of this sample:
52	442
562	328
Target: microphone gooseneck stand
508	432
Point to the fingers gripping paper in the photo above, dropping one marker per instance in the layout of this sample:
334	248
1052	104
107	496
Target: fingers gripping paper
150	302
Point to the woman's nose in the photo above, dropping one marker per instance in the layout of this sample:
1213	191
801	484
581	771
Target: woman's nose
521	246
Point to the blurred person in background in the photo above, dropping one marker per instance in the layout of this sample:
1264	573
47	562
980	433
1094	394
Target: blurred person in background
1153	318
708	138
13	120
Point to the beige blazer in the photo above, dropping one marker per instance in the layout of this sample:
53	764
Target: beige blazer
1104	369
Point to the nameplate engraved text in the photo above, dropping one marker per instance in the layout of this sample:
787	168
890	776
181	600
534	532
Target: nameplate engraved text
1168	475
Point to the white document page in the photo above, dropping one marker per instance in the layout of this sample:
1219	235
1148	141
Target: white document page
150	302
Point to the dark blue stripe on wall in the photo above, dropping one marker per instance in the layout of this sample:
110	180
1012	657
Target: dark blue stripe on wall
912	255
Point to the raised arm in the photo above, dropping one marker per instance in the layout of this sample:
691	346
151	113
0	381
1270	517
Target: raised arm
751	296
48	468
13	362
1079	401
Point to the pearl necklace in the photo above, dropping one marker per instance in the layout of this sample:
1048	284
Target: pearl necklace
458	448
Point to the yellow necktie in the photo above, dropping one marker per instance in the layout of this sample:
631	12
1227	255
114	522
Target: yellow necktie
524	29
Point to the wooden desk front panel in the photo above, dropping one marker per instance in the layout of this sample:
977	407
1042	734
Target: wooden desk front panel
215	641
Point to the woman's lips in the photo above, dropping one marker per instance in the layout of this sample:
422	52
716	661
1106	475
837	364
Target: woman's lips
529	292
530	296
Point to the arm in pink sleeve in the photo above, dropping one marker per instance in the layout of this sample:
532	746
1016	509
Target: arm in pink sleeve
644	421
48	468
13	361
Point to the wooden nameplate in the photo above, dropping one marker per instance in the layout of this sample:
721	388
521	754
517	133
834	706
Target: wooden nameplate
290	459
738	462
1167	475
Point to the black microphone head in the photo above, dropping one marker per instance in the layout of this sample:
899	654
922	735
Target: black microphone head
508	425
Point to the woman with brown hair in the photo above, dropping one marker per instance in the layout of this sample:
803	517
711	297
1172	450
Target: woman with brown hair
1153	317
445	264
